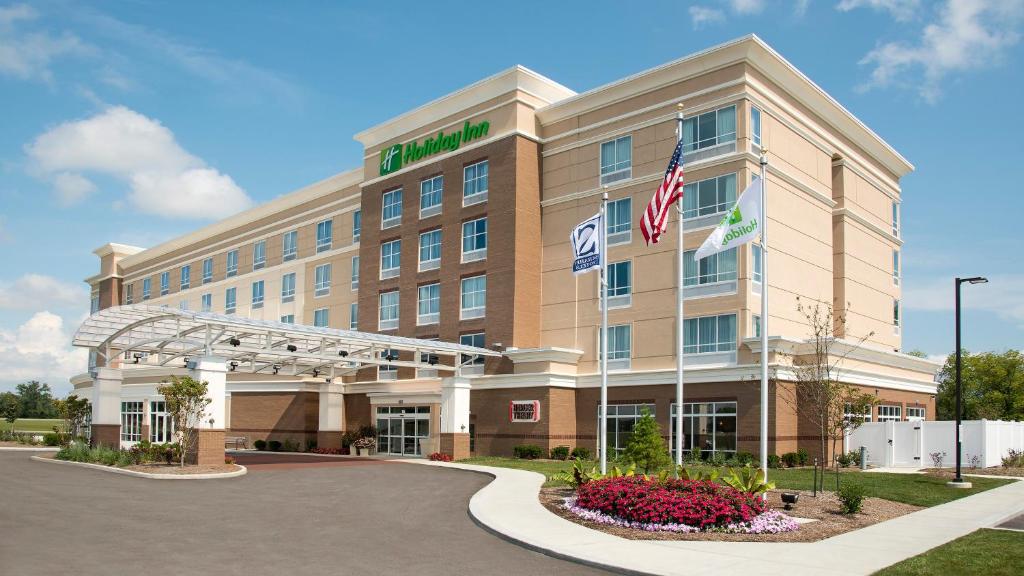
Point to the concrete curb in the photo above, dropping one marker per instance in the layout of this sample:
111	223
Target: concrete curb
241	472
28	449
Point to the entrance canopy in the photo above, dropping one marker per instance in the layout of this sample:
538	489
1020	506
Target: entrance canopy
256	346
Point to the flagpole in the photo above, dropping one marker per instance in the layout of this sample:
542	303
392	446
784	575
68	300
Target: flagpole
679	317
764	314
603	433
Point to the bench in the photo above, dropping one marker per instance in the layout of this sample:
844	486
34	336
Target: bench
236	441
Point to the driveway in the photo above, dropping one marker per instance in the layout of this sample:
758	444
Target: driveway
292	515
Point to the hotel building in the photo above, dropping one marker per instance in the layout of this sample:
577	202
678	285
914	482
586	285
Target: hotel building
455	228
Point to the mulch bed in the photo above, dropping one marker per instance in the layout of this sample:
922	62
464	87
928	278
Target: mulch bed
993	471
187	469
6	444
824	508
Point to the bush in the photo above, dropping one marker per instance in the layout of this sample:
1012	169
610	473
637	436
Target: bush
580	453
789	459
646	447
51	439
802	457
851	497
333	451
311	445
774	461
560	453
844	460
744	458
260	444
527	451
75	452
274	446
1013	459
368	431
229	459
291	445
937	458
440	457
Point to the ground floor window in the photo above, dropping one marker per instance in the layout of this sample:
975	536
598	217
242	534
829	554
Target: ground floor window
161	425
915	413
131	421
621	420
850	416
710	426
401	428
890	413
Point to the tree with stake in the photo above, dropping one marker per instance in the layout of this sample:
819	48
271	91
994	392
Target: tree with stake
186	403
10	407
74	411
646	447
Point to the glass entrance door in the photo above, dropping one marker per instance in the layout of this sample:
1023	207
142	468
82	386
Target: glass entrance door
400	429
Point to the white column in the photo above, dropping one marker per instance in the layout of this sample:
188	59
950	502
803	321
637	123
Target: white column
213	371
332	407
455	405
106	396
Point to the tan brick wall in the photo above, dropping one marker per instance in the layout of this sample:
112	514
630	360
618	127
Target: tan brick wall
456	445
275	416
106	435
358	411
210	448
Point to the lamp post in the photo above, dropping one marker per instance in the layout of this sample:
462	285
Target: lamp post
958	481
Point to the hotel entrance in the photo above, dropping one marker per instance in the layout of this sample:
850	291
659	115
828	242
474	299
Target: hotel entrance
400	429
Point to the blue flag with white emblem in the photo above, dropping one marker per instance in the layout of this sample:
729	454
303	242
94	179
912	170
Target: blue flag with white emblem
586	245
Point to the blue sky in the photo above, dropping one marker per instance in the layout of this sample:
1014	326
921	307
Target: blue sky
135	121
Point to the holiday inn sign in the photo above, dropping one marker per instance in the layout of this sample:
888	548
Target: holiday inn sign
395	156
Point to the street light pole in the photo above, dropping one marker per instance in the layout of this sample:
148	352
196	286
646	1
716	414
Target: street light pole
958	481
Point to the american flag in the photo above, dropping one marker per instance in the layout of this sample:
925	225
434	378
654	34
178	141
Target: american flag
655	220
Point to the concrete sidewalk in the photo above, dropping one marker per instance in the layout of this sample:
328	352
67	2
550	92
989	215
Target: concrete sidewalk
509	506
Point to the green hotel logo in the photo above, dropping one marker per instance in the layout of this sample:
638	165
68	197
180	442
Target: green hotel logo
395	156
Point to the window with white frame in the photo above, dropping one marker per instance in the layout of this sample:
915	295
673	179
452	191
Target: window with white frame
321	317
186	277
387	371
259	254
355	273
616	159
709	197
430	250
146	288
890	413
183	305
474	297
388	311
288	287
357	225
896	267
621	419
850	415
431	191
428	304
231	263
288	319
474	240
475	340
322	280
290	245
896	315
620	284
755	325
161	423
129	294
755	126
709	334
474	183
207	270
620	221
915	413
755	257
895	218
720	267
94	303
131	421
324	235
257	294
524	411
206	302
165	283
619	347
430	359
353	316
390	259
710	129
391	209
230	300
710	426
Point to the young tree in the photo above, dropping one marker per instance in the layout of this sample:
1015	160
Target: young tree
186	403
36	400
646	447
993	386
10	407
74	411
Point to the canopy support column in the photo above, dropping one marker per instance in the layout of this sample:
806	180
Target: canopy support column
106	408
455	417
332	416
209	448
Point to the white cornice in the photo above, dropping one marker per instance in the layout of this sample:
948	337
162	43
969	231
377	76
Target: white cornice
554	354
117	249
851	350
867	224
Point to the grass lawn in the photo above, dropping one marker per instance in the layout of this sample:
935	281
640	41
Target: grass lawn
916	489
41	425
989	552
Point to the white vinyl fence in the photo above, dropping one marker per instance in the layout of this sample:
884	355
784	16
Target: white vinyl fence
911	444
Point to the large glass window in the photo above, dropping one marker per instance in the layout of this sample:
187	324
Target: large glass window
391	209
620	221
431	191
288	287
895	219
755	253
755	126
147	288
230	300
896	267
620	340
710	426
720	267
207	270
620	284
161	423
231	262
430	250
206	302
290	245
390	259
355	272
709	129
709	334
357	225
257	294
616	159
711	196
474	297
186	277
288	319
388	318
259	254
915	413
475	340
896	315
324	235
322	280
131	421
321	317
887	413
129	293
165	283
621	420
353	316
474	240
428	304
474	183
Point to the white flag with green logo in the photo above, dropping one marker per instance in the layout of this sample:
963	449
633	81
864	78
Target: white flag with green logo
740	225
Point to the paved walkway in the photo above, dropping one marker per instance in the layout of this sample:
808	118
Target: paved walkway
509	506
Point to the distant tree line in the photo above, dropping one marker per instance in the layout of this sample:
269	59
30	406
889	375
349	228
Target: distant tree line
993	386
32	399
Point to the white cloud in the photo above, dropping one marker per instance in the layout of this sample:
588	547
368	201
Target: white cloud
163	178
702	15
40	349
898	9
27	55
39	292
800	8
1001	296
969	34
72	188
747	6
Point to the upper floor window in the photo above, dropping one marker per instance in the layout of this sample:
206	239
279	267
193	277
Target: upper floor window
288	319
357	225
474	183
895	218
232	263
709	129
147	288
324	235
896	267
129	294
474	297
207	270
720	267
428	304
391	209
755	126
320	318
617	160
430	250
186	276
288	287
620	284
755	253
390	259
322	280
259	254
388	313
755	322
474	240
355	272
230	300
206	302
896	315
620	221
475	340
165	283
709	334
257	294
619	347
711	196
353	316
290	245
430	196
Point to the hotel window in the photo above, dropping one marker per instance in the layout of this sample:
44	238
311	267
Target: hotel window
896	315
147	284
288	287
621	420
620	221
391	209
288	319
390	259
709	334
474	183
387	371
129	294
428	304
165	283
322	280
206	302
474	297
709	129
915	413
710	426
131	421
619	347
94	303
324	235
290	245
474	240
388	312
617	160
353	316
755	256
711	196
357	225
232	263
888	413
430	250
755	322
207	270
720	267
755	126
355	272
430	196
186	277
259	254
895	218
620	284
161	423
183	305
320	317
475	340
850	416
229	301
896	267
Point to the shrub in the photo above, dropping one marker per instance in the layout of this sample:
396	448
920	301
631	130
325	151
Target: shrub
1013	459
368	431
334	451
274	446
789	459
743	458
646	447
75	452
937	458
291	445
580	453
527	451
854	457
260	444
51	439
717	459
560	453
851	497
694	456
802	457
749	480
843	460
440	457
774	461
311	445
229	459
